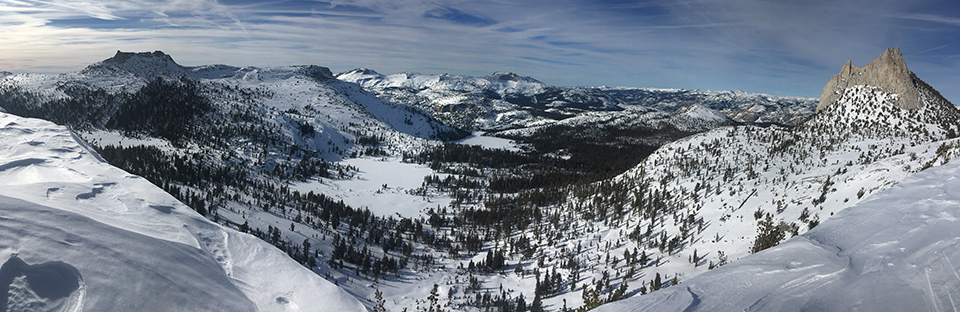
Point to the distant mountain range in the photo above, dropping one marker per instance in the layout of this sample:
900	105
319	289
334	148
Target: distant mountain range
507	100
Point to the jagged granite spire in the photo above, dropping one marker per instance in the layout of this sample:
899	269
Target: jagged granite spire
888	72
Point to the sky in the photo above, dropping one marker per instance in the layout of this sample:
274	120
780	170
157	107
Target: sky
785	47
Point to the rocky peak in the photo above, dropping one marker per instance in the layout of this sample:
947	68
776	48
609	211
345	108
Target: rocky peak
319	73
888	72
360	71
142	64
505	76
508	76
123	57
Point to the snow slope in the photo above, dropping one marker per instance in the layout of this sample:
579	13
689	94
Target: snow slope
701	202
720	184
81	235
897	251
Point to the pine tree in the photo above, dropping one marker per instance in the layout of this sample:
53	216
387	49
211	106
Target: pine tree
521	304
656	282
378	299
537	305
434	299
769	234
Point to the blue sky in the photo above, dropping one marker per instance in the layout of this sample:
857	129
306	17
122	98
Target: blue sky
788	47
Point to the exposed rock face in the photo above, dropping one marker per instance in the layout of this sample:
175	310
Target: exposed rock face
317	72
122	57
888	72
144	64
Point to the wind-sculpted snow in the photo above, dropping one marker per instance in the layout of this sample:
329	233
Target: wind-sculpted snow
897	251
81	235
55	285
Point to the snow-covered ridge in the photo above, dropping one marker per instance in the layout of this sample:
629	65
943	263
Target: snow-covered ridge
496	102
897	251
711	194
509	101
286	99
737	105
500	82
81	235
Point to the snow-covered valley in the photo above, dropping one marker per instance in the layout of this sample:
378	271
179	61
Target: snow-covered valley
585	196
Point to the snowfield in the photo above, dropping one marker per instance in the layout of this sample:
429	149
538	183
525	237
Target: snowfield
81	235
897	251
382	185
480	139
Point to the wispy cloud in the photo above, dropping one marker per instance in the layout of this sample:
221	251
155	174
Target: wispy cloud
549	61
89	8
459	17
948	20
780	47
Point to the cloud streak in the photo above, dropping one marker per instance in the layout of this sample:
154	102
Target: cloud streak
952	21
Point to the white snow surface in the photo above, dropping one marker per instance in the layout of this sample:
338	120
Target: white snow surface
502	83
381	185
81	235
480	139
897	251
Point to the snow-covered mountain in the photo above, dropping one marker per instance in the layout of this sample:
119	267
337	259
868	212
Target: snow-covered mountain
896	251
693	205
496	102
250	148
715	197
739	106
508	101
302	107
81	235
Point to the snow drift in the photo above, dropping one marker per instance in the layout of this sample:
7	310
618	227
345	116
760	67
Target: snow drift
81	235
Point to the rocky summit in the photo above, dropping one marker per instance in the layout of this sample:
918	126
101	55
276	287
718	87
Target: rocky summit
888	72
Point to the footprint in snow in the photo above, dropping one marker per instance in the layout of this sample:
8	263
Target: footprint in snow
48	286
